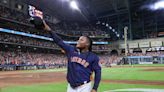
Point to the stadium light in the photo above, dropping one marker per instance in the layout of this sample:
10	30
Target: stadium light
113	30
19	47
107	25
158	5
118	35
74	5
110	27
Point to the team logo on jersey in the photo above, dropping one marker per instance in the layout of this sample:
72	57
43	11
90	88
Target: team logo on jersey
80	61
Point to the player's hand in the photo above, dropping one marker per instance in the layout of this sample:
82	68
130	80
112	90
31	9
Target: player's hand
46	27
93	90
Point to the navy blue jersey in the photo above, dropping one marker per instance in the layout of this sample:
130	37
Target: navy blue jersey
80	65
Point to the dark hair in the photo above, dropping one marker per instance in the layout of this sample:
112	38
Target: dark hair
90	43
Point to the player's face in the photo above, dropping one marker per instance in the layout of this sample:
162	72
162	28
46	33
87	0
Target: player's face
82	42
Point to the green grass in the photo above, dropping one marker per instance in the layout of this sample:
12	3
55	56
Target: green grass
112	86
131	74
62	87
146	65
122	73
51	87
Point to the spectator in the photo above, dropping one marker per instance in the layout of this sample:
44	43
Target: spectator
31	58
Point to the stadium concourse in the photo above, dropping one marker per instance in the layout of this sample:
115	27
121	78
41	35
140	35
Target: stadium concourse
130	62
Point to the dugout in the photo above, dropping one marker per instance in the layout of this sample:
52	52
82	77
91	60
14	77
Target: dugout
161	59
140	59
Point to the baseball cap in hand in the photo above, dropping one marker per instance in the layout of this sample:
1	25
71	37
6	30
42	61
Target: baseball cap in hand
37	22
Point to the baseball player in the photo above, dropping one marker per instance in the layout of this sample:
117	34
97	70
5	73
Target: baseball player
82	62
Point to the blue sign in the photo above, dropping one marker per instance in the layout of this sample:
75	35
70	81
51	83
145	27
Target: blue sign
40	37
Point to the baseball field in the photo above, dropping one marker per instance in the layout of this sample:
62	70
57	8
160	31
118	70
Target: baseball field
125	78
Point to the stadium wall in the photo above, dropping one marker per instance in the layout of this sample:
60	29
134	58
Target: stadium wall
143	44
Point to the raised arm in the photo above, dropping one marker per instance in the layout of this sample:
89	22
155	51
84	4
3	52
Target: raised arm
57	39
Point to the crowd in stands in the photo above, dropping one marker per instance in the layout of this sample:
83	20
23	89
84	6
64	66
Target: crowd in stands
19	58
18	21
74	29
71	29
13	15
10	38
109	60
155	34
100	47
21	28
4	37
80	33
26	58
153	53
